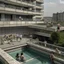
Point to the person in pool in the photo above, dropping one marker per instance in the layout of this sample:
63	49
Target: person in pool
52	58
17	57
22	58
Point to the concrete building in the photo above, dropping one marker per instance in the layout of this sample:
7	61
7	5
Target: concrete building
58	17
17	13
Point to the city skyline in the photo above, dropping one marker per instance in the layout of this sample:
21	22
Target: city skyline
53	6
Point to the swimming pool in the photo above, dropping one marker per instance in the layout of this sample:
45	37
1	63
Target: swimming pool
32	56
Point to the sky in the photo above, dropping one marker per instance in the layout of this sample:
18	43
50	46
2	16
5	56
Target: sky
53	6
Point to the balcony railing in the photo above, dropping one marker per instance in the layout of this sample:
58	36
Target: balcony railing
22	2
39	7
18	11
27	2
17	23
39	0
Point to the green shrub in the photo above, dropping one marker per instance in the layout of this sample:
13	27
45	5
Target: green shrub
55	37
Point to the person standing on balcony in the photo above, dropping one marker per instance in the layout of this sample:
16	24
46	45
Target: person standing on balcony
58	27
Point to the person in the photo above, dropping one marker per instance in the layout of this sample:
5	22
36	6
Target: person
58	27
58	51
52	58
45	42
20	37
22	58
17	57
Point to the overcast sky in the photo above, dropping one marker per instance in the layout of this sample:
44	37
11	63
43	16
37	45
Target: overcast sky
53	6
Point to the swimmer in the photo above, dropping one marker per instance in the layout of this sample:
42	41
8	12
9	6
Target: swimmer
17	57
52	58
22	58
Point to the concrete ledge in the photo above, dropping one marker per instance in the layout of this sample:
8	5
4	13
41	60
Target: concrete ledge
46	51
13	47
7	58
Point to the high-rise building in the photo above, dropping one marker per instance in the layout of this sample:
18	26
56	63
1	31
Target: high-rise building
14	13
58	17
17	12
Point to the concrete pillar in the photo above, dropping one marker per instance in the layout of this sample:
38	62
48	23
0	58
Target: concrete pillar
2	17
14	17
35	6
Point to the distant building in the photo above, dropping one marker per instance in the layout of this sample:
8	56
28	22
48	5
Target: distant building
48	19
58	17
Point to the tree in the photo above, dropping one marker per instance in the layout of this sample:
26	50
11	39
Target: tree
55	37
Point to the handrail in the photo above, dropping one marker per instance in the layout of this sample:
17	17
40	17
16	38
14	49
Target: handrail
52	46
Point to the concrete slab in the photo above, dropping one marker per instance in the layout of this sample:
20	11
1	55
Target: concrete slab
13	44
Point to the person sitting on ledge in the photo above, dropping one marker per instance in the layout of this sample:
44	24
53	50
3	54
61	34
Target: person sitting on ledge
58	51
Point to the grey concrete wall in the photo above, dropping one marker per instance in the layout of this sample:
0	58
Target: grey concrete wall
16	30
6	58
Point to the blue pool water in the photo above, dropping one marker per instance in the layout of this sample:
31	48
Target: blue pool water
32	56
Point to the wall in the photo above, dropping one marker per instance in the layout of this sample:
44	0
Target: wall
16	30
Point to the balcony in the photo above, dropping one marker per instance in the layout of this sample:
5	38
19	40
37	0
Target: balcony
39	1
39	7
17	11
9	9
1	8
18	2
17	23
13	0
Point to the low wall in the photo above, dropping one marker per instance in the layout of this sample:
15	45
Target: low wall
52	46
46	51
6	58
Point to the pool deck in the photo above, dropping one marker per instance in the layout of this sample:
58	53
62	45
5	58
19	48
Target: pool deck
24	42
14	44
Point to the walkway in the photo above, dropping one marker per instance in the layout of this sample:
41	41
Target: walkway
14	44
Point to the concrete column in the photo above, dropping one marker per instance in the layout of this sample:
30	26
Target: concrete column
2	17
35	6
14	17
